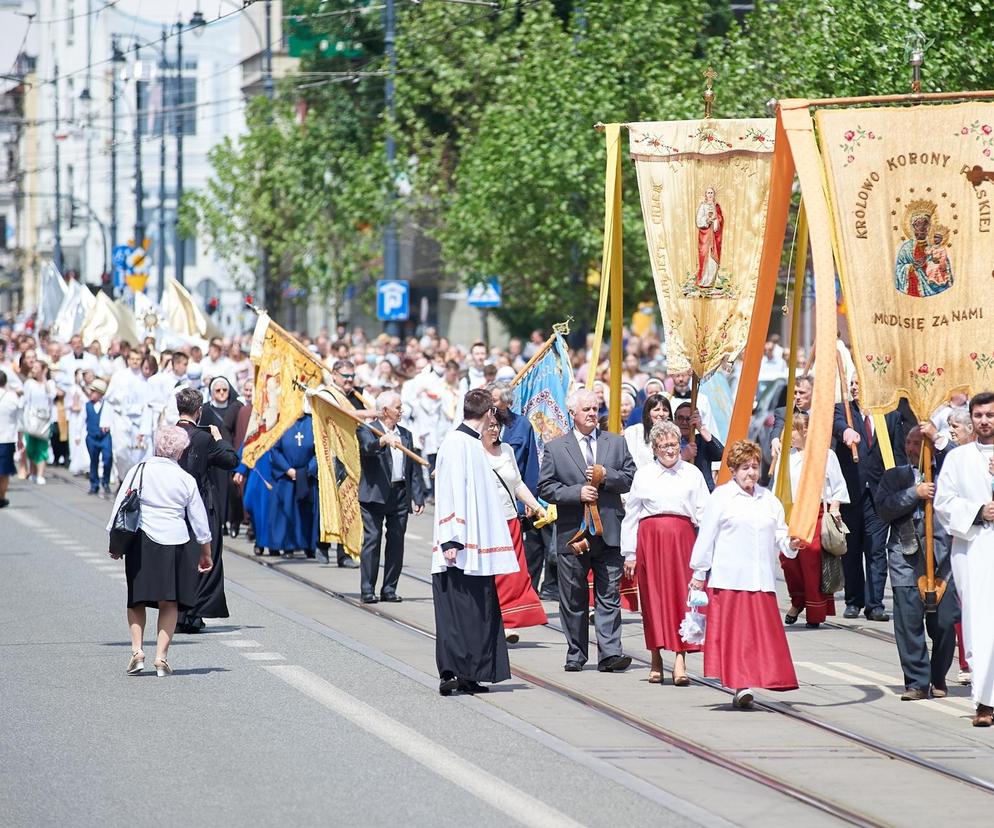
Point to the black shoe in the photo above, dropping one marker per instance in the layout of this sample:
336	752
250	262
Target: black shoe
573	667
789	619
512	638
93	491
250	533
852	611
4	503
258	550
549	594
287	554
614	664
347	563
877	615
392	598
812	625
275	553
447	685
471	687
309	553
369	599
234	529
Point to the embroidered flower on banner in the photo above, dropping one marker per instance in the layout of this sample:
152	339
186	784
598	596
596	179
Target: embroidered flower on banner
983	134
759	137
924	378
982	362
853	138
654	142
708	140
879	363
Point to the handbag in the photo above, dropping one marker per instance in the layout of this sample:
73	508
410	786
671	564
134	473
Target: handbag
833	535
37	422
832	577
127	519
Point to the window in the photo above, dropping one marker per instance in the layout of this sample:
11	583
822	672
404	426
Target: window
156	98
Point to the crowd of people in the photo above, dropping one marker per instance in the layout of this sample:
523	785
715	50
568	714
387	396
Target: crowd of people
637	514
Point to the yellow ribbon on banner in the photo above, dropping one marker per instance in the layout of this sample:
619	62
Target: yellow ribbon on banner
783	488
611	276
883	440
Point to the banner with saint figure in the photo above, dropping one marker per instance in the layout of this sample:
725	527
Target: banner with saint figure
912	215
704	187
339	468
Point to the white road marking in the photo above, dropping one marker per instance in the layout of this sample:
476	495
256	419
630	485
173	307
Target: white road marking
264	656
892	681
486	787
241	642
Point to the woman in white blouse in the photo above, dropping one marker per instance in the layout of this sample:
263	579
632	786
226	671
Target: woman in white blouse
519	603
37	414
664	507
803	573
159	573
655	410
742	533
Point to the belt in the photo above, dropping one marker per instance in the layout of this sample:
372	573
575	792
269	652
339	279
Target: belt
591	525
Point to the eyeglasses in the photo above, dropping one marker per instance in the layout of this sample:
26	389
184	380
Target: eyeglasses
670	448
346	376
683	419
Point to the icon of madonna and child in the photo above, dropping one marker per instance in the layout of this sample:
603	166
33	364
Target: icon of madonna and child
923	267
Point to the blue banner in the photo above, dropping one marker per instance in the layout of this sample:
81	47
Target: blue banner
541	394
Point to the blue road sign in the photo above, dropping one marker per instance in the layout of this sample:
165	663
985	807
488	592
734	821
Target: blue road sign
393	300
119	263
485	294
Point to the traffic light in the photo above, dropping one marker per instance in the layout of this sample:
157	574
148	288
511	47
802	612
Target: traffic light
212	305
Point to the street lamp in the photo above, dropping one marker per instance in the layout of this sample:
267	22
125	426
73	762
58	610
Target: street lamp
117	59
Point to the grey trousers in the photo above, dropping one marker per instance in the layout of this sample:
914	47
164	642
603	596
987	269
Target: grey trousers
910	626
574	600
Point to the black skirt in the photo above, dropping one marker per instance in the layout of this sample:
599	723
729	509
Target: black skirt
469	641
158	572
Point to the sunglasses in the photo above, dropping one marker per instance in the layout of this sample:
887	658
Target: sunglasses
346	376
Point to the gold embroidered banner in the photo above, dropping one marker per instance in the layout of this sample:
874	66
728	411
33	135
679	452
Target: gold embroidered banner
915	247
339	468
285	370
704	187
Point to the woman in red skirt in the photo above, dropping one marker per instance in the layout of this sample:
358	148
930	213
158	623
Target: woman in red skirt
742	533
519	603
803	573
662	512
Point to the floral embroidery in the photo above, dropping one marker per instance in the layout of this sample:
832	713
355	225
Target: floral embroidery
757	136
655	141
983	133
982	362
925	377
708	140
878	363
853	138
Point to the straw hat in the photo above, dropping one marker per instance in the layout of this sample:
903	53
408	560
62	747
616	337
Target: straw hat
99	385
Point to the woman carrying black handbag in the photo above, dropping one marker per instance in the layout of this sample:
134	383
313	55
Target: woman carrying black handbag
168	507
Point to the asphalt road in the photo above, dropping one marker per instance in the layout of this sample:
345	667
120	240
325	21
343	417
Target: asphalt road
269	719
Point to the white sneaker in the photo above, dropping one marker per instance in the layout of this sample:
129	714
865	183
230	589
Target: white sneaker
41	481
964	677
743	699
32	478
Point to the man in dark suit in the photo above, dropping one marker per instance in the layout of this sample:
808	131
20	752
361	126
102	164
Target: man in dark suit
865	561
569	465
803	387
207	451
391	482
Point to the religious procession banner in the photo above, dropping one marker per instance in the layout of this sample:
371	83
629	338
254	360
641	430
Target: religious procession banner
541	391
704	187
338	471
911	191
285	370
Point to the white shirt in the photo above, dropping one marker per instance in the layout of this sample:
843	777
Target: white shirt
507	469
396	457
835	484
169	496
638	448
657	490
739	540
10	412
581	440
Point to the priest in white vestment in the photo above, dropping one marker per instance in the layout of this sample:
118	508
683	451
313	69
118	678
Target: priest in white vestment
124	414
965	507
471	544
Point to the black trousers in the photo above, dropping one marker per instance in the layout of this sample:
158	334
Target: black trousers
875	553
911	623
393	515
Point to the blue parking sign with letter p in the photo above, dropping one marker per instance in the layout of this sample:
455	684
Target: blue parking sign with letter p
393	300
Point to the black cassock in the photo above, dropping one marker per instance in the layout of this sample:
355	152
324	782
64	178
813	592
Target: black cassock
207	459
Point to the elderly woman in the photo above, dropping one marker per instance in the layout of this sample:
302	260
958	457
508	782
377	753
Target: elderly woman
742	533
960	426
664	507
803	573
655	410
159	574
519	603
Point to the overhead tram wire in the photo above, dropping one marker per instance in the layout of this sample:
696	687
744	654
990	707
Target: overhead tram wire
91	13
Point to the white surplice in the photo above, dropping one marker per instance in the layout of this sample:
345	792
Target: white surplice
835	484
657	490
79	457
123	413
468	510
964	486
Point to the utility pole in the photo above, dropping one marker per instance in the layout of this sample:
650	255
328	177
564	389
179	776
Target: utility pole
390	251
57	249
180	255
267	85
139	188
115	60
161	252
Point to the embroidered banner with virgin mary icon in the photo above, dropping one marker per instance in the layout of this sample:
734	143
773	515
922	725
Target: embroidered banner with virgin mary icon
911	191
704	187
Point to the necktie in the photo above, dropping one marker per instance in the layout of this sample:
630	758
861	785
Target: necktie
588	449
868	428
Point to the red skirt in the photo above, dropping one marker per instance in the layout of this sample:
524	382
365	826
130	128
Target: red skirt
629	592
519	603
803	577
745	644
663	552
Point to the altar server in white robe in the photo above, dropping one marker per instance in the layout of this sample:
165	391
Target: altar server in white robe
123	413
965	507
471	544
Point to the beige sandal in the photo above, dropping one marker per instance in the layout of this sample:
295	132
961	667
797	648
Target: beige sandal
162	668
137	663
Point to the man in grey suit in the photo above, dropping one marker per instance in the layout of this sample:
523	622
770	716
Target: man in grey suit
568	468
